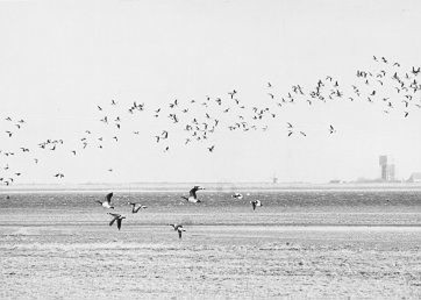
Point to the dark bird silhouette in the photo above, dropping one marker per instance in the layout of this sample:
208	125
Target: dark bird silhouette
192	194
175	103
232	94
117	217
107	202
179	228
256	203
238	196
164	134
136	209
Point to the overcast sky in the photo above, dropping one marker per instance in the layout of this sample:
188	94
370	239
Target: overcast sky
59	60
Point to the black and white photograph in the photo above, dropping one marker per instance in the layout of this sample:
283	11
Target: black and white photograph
225	149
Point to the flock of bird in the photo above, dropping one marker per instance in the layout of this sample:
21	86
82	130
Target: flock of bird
192	198
198	120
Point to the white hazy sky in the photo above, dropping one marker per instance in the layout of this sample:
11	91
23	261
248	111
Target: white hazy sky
60	59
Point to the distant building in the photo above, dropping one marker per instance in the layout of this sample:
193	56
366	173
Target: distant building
387	171
274	179
415	177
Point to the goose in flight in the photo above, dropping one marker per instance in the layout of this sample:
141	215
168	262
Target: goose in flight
237	196
256	203
192	194
117	217
136	209
107	202
179	228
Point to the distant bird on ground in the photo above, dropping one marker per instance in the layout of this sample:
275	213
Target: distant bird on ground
136	209
256	203
192	194
107	202
237	196
179	228
117	217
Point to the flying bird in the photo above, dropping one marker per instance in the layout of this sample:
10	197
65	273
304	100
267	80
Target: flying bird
117	217
256	203
237	196
179	228
136	209
232	94
107	202
192	194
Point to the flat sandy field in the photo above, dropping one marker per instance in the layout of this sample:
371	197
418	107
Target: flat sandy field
275	252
